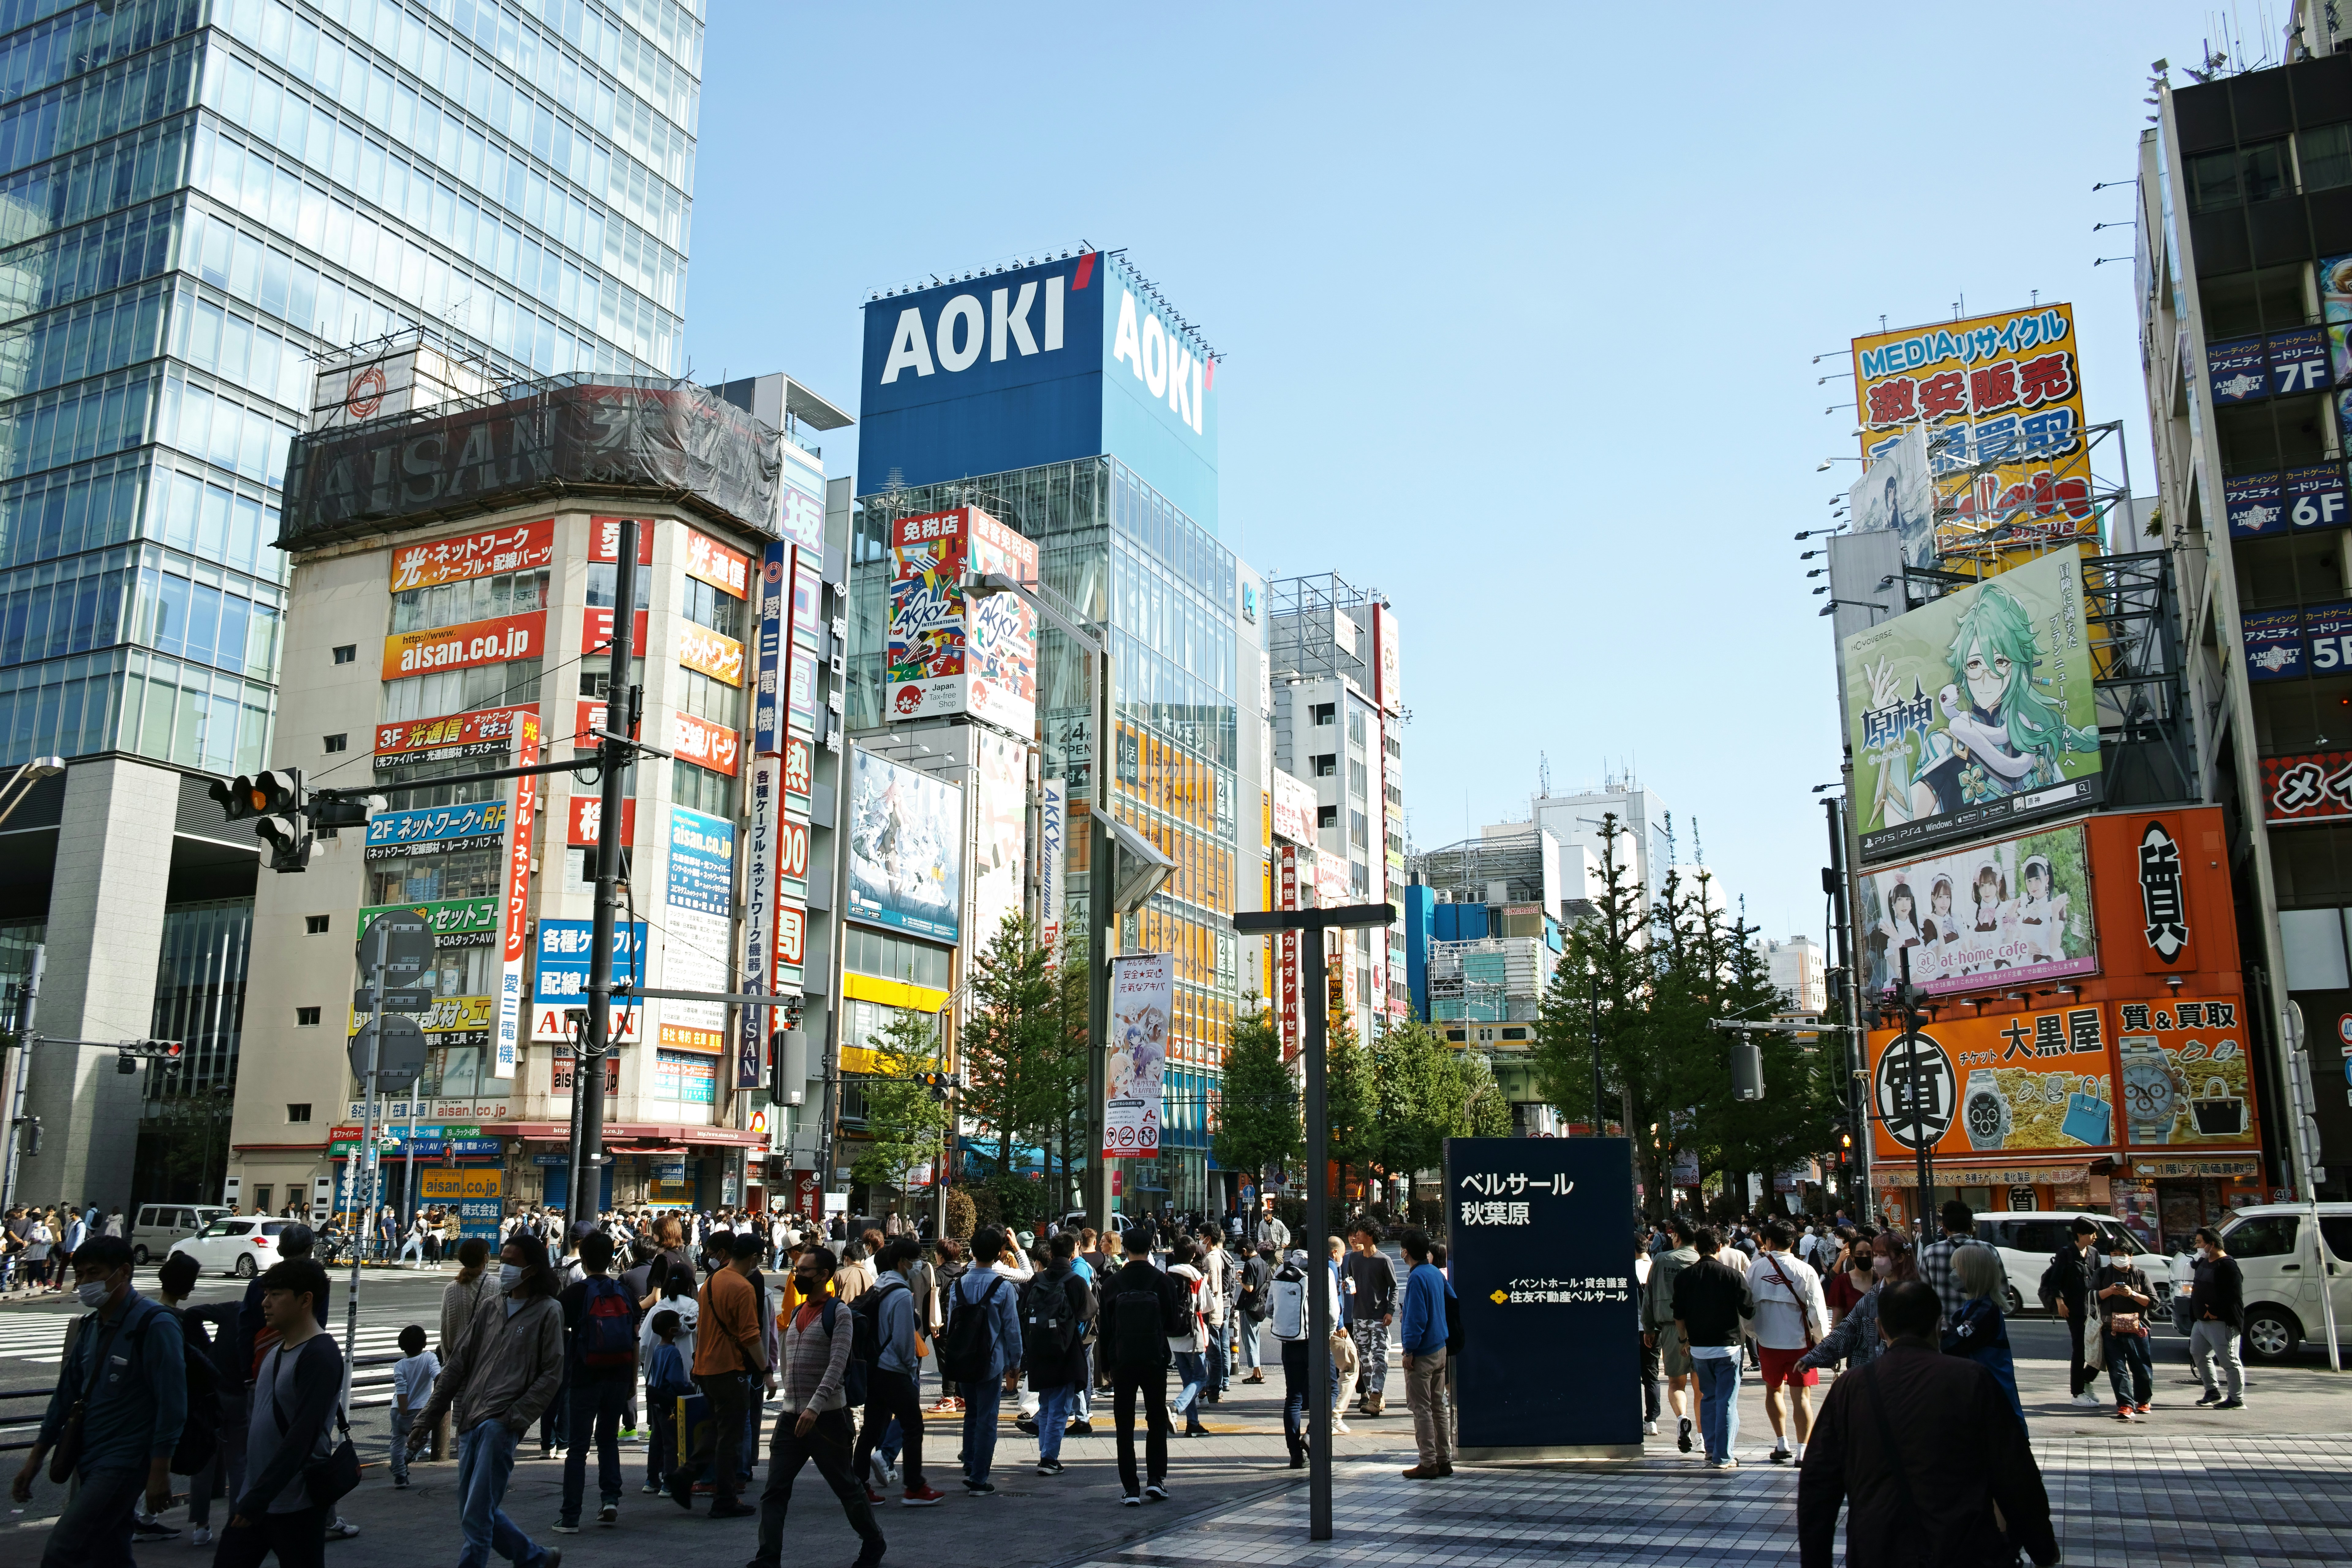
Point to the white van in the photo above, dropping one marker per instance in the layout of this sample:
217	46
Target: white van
2285	1266
2028	1241
158	1226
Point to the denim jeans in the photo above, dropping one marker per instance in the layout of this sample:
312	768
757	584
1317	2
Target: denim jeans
2128	1370
596	1403
399	1459
485	1458
1053	1406
1250	1349
1193	1377
94	1530
1086	1398
1719	1403
981	1403
661	1449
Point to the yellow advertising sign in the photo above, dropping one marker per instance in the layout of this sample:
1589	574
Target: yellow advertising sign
2001	397
446	1186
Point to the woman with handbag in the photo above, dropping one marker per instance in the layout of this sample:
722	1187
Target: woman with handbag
2124	1298
294	1469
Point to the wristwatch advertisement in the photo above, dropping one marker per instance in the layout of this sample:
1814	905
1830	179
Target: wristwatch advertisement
2151	1100
1984	1111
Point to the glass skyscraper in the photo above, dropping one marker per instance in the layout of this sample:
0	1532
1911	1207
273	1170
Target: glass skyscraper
198	196
199	200
1114	547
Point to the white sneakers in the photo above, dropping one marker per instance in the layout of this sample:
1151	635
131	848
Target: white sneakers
2089	1401
1649	1429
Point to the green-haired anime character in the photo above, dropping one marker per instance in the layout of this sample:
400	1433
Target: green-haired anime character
2003	734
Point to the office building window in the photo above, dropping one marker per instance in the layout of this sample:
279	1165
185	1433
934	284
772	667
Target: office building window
1323	712
865	951
700	789
1326	816
314	925
2326	155
2252	173
345	652
1326	765
298	1113
1355	724
306	1017
334	742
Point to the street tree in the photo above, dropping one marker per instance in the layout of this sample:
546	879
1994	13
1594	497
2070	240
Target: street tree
906	1118
1013	1038
1258	1121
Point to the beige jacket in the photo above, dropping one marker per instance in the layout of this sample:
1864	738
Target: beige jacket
508	1369
459	1302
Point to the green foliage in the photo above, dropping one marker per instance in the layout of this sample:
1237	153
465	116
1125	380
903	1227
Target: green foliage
962	1218
1416	1099
904	1118
1258	1121
1013	1038
1485	1112
1350	1109
1647	990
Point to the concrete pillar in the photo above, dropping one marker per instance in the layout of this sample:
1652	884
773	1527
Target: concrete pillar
105	939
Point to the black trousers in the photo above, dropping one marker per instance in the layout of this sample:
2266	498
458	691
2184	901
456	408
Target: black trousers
2078	1376
888	1394
723	1443
827	1447
299	1539
1154	1385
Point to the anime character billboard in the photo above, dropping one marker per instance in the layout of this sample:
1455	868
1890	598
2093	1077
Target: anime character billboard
2014	912
1142	1005
905	848
1895	495
1975	712
953	652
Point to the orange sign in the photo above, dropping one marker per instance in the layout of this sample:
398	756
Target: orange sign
525	547
463	647
703	744
588	817
2161	883
729	571
596	633
700	647
482	733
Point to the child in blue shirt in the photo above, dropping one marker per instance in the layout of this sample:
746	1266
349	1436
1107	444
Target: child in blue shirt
666	1382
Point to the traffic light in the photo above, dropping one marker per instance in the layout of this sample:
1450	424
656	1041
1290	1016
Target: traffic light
289	847
787	1066
330	812
275	798
1747	1069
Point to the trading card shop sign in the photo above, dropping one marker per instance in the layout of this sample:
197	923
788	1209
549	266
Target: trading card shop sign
1538	1228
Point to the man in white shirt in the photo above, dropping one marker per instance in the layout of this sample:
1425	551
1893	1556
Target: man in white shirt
1790	1318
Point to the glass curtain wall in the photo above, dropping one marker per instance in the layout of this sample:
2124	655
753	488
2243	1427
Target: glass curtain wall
199	196
1115	549
200	1001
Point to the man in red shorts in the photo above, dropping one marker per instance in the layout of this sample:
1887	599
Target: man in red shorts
1791	1319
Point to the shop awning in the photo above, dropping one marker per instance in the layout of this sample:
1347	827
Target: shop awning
631	1133
2247	1164
2010	1175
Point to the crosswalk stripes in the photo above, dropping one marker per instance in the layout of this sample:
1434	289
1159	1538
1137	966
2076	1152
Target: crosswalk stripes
34	1340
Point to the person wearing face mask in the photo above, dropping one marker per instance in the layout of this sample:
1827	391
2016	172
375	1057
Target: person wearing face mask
2066	1291
1855	1339
120	1399
2217	1311
2124	1298
500	1381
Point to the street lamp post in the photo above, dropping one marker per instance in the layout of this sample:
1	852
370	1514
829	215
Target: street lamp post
1313	923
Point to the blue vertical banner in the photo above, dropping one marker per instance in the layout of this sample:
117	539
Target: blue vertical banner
767	696
1542	1238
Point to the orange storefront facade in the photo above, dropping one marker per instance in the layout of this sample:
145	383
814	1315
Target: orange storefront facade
2125	1087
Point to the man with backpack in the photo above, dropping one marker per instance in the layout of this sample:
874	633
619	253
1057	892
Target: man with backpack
982	1350
297	1403
819	1370
885	1346
120	1399
600	1334
1139	1315
1055	1311
1291	1323
208	1346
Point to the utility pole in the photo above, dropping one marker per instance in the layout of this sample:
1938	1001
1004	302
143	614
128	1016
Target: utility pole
615	752
1311	924
363	1170
1600	1123
29	997
1908	996
1834	883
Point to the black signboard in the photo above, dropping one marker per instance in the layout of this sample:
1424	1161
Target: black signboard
1542	1232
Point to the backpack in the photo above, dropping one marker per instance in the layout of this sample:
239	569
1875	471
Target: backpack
200	1432
1288	1296
864	1341
1052	1329
606	1337
1187	1310
1138	1334
969	1345
1453	1325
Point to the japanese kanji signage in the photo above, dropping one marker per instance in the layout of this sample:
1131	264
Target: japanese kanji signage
436	830
487	733
2001	398
2011	1081
2309	787
519	547
2297	500
950	652
1537	1226
2162	893
2185	1071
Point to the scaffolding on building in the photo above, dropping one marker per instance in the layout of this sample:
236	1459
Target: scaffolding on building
1489	980
1309	622
1465	872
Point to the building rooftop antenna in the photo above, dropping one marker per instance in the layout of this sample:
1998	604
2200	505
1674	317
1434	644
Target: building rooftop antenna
1543	774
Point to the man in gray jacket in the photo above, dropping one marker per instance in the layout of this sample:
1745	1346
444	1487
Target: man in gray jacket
500	1380
1658	1326
890	1389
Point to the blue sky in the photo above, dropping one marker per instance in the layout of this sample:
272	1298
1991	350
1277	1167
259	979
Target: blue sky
1519	316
